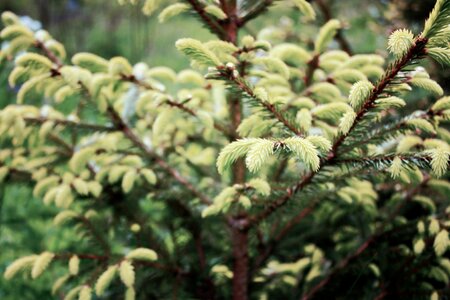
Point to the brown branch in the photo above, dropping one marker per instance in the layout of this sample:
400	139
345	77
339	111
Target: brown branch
313	64
133	79
259	9
99	237
186	109
209	21
416	51
361	249
50	54
128	132
270	247
69	123
275	205
243	86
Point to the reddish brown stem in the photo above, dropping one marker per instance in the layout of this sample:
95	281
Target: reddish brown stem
378	233
209	21
416	51
128	132
186	109
241	262
313	64
239	233
268	250
343	263
50	54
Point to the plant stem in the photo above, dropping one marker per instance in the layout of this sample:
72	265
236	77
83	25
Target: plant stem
241	263
239	233
372	239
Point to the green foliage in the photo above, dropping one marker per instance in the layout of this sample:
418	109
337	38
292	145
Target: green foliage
152	168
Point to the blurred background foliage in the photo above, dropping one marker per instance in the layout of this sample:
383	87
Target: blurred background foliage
107	29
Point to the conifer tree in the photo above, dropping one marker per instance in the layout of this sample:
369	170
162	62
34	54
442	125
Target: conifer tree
271	169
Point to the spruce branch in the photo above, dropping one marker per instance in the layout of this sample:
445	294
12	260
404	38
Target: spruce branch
68	123
98	237
416	51
211	23
269	247
191	112
378	233
381	162
128	132
313	64
52	56
121	125
237	81
255	11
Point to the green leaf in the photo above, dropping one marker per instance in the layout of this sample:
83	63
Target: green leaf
400	41
91	62
304	150
33	61
326	34
441	242
291	54
274	64
427	84
346	122
232	152
258	154
215	11
441	55
360	93
105	279
261	186
306	8
172	11
197	52
439	161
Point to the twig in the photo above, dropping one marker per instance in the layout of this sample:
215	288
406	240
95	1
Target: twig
270	247
50	54
260	8
378	233
268	106
194	114
69	123
210	22
128	132
313	64
416	51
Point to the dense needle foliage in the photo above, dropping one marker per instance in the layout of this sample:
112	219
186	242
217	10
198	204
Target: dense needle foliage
277	167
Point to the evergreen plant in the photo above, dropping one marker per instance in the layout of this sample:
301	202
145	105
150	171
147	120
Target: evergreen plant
274	168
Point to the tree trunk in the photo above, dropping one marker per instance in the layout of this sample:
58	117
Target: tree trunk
240	268
239	235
